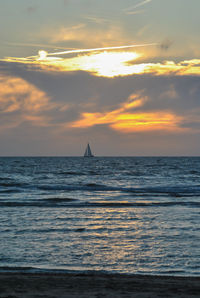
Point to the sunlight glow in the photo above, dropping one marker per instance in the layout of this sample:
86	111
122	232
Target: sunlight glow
128	122
105	64
131	122
109	64
42	55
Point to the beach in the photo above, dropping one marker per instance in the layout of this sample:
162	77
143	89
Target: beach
21	285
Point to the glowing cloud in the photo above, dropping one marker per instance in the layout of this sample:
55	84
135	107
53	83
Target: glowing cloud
128	122
17	94
108	62
21	101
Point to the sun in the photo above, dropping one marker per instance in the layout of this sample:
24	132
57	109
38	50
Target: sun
42	55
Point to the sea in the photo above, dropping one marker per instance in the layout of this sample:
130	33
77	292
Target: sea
133	215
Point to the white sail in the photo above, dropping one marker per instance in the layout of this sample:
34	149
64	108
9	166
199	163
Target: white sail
88	152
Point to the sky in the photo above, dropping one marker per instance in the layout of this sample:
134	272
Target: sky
123	75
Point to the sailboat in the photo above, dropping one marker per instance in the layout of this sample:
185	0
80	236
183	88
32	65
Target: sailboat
88	152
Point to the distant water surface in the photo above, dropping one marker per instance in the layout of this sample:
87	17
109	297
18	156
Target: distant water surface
116	214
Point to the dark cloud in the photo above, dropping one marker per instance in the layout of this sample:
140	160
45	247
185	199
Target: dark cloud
70	94
165	44
89	92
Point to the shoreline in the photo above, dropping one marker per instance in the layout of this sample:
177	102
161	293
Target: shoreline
87	271
95	284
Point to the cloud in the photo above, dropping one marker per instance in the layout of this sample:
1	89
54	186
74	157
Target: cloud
101	49
97	20
136	114
170	93
21	101
34	45
102	35
165	44
133	8
126	121
17	94
141	3
135	12
71	33
108	62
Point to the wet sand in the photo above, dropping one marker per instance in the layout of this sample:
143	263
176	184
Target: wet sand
20	285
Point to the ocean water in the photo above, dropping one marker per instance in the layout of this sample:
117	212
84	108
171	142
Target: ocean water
115	214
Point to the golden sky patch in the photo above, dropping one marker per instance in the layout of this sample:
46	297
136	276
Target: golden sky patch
127	122
149	121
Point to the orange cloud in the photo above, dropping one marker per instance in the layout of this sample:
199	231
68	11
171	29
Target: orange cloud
17	94
22	101
137	122
126	122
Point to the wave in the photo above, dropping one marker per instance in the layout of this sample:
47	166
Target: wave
51	230
18	269
9	190
173	191
85	187
5	179
68	173
11	184
68	203
56	200
170	190
78	173
109	272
